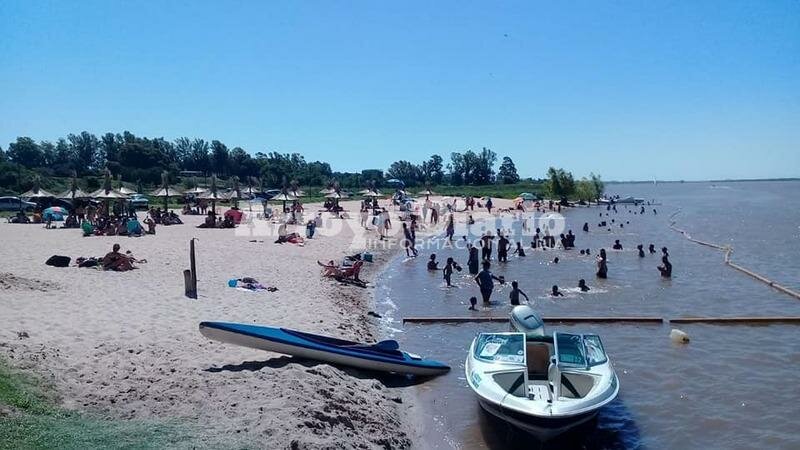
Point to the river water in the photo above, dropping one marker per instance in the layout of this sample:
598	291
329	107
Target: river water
730	387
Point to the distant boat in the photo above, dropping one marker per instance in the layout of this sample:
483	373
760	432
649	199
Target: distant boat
385	356
622	201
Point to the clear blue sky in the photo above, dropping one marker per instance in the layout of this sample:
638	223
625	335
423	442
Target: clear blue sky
632	90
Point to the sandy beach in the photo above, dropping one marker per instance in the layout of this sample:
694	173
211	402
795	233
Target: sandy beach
126	344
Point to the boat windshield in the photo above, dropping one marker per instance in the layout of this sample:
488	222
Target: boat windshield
580	350
508	348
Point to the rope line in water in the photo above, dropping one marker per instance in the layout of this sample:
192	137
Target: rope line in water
728	251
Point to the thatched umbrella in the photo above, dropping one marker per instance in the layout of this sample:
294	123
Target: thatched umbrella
166	190
36	192
212	194
284	197
236	192
74	191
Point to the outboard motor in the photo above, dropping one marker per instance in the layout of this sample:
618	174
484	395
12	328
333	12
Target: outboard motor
525	320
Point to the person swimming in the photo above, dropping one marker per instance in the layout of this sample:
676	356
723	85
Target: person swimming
555	292
555	260
586	226
432	263
583	252
582	285
640	247
617	245
515	293
664	251
652	249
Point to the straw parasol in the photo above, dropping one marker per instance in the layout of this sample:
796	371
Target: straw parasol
212	194
74	191
36	192
166	191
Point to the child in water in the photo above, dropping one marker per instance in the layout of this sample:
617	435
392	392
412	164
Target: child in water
448	270
582	285
472	302
432	263
555	292
519	251
515	293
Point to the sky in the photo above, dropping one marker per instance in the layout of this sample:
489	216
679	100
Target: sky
635	90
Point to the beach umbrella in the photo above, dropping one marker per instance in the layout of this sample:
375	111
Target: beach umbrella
36	192
327	191
69	194
284	197
166	191
54	213
197	190
108	194
126	191
212	194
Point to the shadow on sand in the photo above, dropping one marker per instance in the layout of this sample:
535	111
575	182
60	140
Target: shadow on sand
387	379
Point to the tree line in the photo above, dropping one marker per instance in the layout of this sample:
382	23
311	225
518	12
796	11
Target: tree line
142	160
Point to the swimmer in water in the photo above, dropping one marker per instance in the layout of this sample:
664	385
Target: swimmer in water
640	247
519	251
432	264
485	280
583	252
555	292
555	261
515	293
472	302
582	285
664	251
652	249
586	226
617	245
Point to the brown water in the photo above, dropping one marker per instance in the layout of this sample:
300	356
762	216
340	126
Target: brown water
731	387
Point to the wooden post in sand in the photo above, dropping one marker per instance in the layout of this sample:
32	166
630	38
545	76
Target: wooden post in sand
190	276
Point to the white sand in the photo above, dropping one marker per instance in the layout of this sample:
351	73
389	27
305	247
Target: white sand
126	344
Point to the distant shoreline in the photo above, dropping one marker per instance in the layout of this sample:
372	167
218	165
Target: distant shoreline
738	180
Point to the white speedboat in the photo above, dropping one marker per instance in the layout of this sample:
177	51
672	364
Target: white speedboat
543	384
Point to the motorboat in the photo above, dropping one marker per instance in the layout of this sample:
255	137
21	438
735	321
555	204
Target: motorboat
622	201
384	356
543	384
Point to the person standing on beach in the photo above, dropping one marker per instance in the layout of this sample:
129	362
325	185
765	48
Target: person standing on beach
408	241
489	204
602	264
485	280
473	263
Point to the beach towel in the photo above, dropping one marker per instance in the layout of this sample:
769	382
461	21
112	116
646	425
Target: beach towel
58	261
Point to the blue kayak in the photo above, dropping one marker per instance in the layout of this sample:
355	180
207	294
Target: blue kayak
385	356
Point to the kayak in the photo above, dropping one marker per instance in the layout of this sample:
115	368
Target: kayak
385	356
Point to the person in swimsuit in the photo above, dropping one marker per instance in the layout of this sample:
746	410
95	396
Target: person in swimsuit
515	293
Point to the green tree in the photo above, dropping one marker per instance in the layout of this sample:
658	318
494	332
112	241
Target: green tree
25	151
219	158
560	184
508	171
584	190
433	170
48	153
599	186
405	171
85	152
457	169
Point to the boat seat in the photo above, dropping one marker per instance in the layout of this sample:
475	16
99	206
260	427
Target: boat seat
537	358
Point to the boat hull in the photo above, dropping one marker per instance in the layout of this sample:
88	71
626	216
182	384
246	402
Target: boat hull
542	428
284	345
